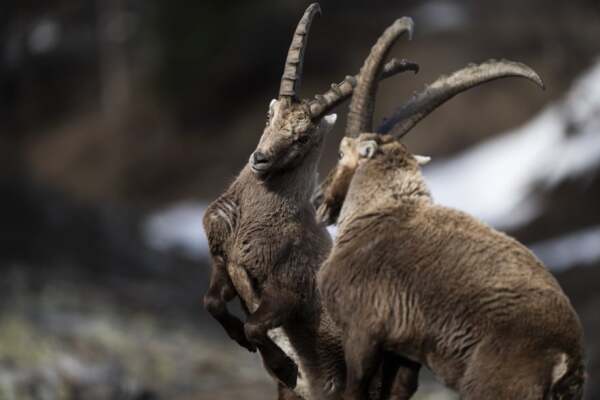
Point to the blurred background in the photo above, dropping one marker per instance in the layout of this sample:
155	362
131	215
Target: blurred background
121	119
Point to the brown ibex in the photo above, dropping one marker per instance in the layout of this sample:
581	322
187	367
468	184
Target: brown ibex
434	284
267	246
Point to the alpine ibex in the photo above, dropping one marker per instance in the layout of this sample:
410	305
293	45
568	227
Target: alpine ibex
267	246
430	283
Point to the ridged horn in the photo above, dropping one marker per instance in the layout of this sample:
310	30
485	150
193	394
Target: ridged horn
360	116
446	87
292	72
340	92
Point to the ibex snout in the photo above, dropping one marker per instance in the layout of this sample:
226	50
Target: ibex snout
259	163
259	157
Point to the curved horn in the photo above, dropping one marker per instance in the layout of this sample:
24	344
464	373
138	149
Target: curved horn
360	116
446	87
339	92
292	72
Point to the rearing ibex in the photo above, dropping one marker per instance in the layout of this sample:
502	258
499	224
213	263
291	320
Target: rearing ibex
431	283
266	244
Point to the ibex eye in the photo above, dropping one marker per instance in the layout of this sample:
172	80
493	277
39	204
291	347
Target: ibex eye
367	149
340	155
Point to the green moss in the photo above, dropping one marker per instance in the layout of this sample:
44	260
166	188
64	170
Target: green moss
20	344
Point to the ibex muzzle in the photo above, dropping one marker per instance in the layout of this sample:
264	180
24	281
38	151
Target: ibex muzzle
290	134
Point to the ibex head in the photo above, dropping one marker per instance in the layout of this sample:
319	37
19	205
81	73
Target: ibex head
353	154
360	146
291	133
295	127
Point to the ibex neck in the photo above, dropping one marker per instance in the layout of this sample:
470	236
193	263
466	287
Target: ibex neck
377	190
296	183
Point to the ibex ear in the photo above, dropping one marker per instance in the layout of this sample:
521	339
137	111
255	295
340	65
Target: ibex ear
422	160
330	119
329	122
367	149
272	107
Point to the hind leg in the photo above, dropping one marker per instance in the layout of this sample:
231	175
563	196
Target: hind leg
272	312
363	357
504	372
220	292
400	377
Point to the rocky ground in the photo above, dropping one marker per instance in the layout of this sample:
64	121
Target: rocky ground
66	338
76	340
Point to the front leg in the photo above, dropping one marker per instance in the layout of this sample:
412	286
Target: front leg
220	292
275	308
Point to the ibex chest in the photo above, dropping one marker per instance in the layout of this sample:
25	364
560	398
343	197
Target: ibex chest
259	247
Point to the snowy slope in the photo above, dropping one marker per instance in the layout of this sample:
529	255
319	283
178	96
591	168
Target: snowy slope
495	180
178	228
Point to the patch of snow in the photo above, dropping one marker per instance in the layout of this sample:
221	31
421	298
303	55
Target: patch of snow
440	15
178	228
44	37
578	248
496	180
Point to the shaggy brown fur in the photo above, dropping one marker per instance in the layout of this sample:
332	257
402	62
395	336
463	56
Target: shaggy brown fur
433	284
441	288
266	248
